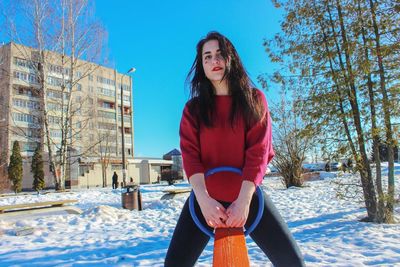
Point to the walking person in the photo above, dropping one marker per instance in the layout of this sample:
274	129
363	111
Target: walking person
226	123
115	180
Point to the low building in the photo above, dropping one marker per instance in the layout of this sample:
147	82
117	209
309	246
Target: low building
139	171
176	171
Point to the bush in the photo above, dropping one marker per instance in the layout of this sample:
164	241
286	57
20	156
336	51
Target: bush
171	176
15	170
37	169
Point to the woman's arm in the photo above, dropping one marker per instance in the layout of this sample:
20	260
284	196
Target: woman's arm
212	210
259	151
258	154
190	143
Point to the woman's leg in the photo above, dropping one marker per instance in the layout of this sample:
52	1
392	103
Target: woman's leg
188	241
273	236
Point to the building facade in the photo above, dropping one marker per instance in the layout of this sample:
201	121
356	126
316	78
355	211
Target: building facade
139	171
84	95
175	172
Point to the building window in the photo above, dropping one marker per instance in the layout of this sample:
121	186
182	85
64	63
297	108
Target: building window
54	119
31	132
28	147
127	130
21	76
106	92
58	69
105	80
126	118
25	117
24	63
56	133
53	106
107	105
125	87
126	98
53	94
54	81
106	126
26	103
107	114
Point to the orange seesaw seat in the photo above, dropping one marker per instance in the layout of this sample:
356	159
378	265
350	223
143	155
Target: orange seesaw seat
230	248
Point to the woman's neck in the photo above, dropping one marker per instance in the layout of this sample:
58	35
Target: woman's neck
221	87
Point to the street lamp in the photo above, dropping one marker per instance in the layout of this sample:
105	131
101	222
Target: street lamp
131	70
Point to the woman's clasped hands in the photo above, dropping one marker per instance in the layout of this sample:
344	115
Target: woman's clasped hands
217	216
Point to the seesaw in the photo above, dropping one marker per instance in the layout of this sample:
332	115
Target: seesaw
230	248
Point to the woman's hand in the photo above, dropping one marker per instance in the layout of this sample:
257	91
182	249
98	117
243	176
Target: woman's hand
214	213
212	210
238	211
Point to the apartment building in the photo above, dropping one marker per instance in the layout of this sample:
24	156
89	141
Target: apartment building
92	102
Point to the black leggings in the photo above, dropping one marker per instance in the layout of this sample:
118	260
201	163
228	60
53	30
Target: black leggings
271	234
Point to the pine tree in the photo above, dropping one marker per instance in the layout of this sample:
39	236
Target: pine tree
15	168
37	170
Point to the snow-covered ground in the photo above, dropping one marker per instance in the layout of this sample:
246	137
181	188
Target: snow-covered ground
327	229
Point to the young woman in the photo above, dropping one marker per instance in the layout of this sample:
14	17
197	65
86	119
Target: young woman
226	123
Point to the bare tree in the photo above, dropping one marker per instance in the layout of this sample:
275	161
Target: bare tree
291	145
79	39
65	38
105	146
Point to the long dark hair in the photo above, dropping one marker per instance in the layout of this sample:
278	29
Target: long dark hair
202	93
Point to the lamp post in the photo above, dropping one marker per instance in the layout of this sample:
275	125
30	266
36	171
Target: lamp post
131	70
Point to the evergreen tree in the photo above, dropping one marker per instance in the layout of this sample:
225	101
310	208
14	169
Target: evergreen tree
15	168
37	169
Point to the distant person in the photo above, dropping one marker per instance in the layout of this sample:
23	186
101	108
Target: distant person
328	167
115	180
350	165
227	123
344	166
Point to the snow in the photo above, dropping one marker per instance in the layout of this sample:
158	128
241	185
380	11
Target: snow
326	228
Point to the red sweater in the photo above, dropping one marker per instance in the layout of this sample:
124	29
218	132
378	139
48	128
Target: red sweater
205	148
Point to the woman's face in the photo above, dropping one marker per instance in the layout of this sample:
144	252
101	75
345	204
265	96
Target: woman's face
214	64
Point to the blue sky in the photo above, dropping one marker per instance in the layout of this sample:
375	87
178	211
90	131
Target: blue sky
158	38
